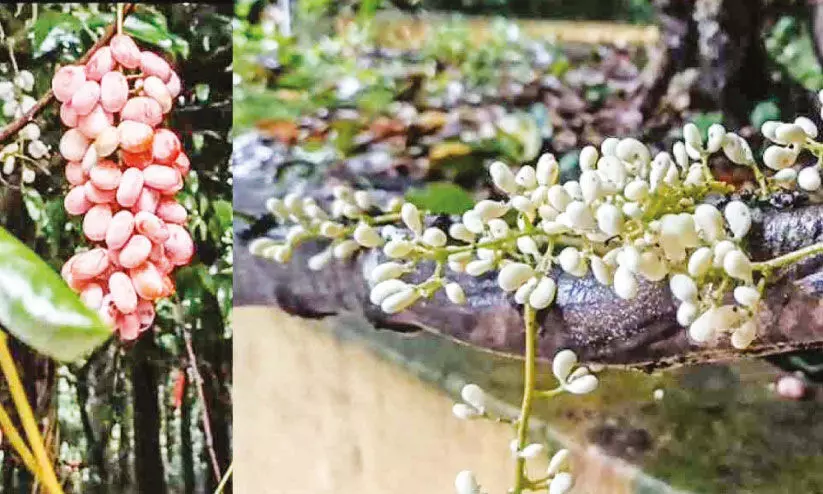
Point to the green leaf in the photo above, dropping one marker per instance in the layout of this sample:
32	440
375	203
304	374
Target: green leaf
763	112
52	26
441	198
153	30
38	308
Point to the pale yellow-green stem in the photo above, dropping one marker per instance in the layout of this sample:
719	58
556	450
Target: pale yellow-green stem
520	480
18	443
24	411
790	258
225	479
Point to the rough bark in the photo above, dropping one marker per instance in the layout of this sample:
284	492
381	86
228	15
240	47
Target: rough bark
148	463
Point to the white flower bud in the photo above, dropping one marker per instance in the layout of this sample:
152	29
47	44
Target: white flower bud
434	237
768	129
716	135
498	228
345	249
807	125
579	216
342	193
602	271
700	262
809	179
293	203
563	363
636	190
526	177
524	205
573	189
590	186
411	218
569	259
503	177
6	91
738	266
473	221
632	150
400	301
746	296
363	200
709	222
543	294
320	260
555	227
720	250
686	313
479	267
652	267
694	176
737	149
531	451
691	134
629	257
632	210
609	219
787	133
743	336
258	245
557	462
588	158
739	218
681	157
280	253
458	231
693	152
609	146
547	169
24	80
276	207
625	284
464	412
367	236
31	132
513	275
10	108
27	175
455	293
561	483
490	209
465	483
558	197
397	248
527	245
521	296
8	165
582	385
394	205
474	396
703	329
331	229
683	288
778	157
386	271
786	177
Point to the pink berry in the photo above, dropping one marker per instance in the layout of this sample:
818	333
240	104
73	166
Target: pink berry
90	264
171	211
179	246
135	137
114	91
100	64
94	123
86	98
143	109
67	81
76	202
105	175
120	229
151	226
125	51
96	222
160	177
122	292
153	64
131	185
157	90
73	145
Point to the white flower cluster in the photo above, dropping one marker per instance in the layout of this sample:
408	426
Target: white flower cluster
27	147
571	378
630	217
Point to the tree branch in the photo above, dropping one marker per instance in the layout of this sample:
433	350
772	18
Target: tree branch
15	126
198	380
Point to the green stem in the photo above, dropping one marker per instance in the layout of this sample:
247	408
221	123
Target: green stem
521	482
790	258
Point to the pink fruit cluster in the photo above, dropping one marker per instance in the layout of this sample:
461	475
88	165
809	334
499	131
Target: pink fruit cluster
124	172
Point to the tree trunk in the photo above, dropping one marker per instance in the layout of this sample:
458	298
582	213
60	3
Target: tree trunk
722	39
186	450
148	463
